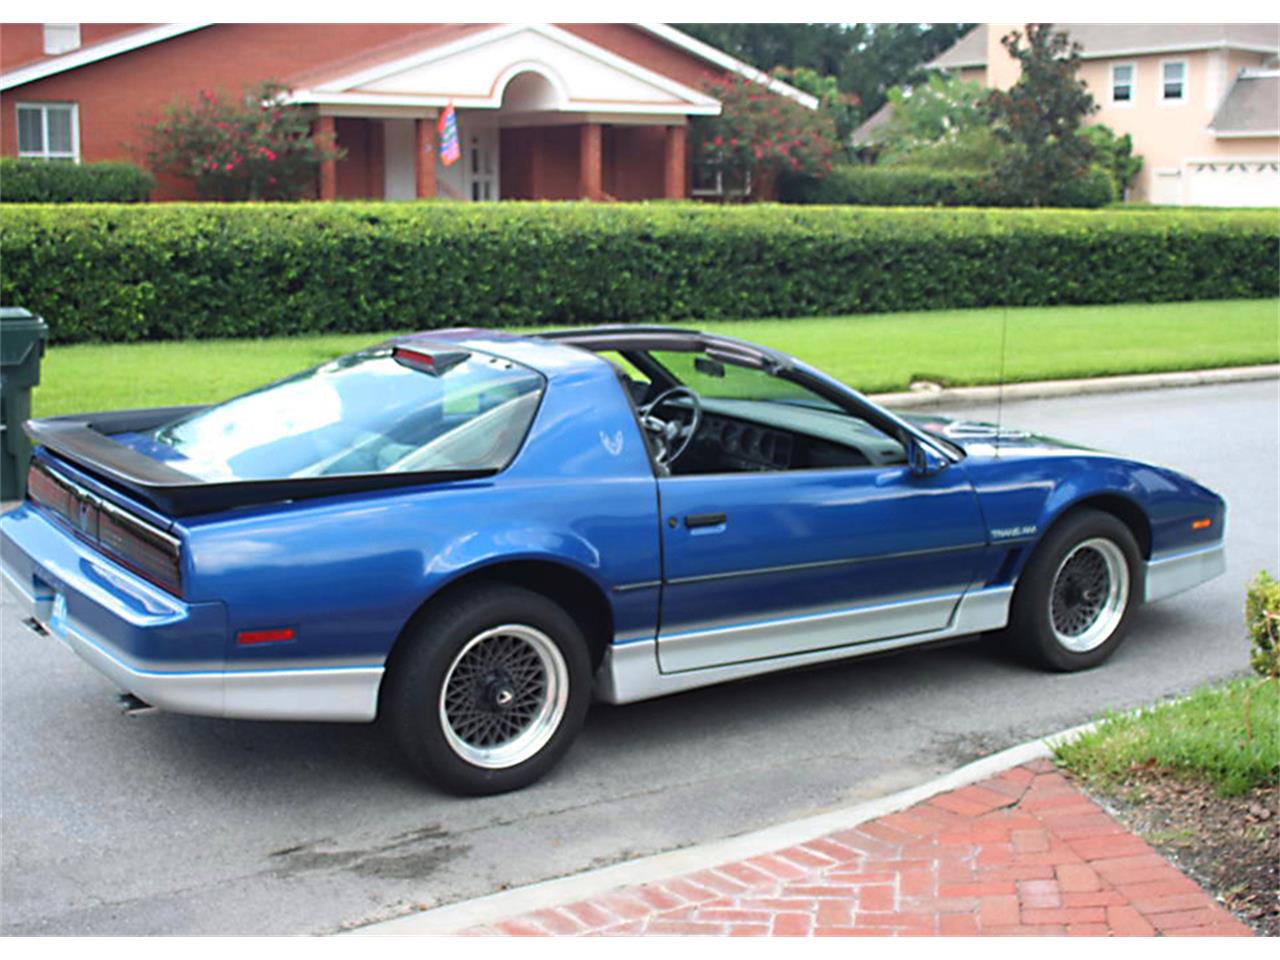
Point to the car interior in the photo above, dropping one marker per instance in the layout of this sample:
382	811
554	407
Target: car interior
703	415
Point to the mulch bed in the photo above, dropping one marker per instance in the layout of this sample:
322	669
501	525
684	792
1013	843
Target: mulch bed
1229	845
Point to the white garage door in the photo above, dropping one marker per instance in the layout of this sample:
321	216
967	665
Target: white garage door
1243	183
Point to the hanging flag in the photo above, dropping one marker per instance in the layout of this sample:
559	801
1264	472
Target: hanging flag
448	126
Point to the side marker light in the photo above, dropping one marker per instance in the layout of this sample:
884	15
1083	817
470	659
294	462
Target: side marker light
264	636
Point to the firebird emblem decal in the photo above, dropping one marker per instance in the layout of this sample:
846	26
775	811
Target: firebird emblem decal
612	444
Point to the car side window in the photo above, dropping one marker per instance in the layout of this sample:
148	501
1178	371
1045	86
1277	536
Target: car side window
745	419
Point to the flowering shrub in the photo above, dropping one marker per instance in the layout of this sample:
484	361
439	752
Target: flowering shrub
759	135
255	148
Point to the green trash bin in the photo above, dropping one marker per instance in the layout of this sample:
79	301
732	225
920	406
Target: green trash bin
22	340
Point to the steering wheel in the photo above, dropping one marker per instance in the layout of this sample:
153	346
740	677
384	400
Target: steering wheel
672	436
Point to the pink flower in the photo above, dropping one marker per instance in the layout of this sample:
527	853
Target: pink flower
228	166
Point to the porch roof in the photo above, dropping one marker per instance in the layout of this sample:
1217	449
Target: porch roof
471	65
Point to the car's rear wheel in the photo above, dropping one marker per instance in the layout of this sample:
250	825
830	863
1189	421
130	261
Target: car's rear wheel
1073	603
491	690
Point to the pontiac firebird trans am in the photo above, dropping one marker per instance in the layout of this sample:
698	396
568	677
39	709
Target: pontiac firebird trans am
472	533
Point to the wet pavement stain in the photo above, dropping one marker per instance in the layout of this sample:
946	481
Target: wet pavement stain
413	853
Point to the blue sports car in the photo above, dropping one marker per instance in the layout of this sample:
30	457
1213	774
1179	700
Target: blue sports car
470	534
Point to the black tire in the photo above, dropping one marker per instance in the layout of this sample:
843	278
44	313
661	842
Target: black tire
1097	544
450	743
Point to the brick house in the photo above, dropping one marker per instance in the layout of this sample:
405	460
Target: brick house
1200	100
598	111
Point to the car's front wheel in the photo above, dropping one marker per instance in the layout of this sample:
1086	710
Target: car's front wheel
491	690
1074	599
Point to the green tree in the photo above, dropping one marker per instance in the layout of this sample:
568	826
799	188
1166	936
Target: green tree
940	124
1115	155
887	55
865	58
256	147
1040	117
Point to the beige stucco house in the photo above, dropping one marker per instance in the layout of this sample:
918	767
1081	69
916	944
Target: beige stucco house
1200	100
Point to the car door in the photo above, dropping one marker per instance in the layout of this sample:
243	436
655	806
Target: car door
768	564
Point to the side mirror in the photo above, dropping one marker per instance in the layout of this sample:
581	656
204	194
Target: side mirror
923	460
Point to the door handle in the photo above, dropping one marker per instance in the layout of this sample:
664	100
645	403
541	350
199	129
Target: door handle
693	520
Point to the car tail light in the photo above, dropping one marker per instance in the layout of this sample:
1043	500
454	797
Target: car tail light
146	550
46	490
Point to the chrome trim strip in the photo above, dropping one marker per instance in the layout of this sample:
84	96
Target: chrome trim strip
781	636
644	585
1174	573
817	564
630	673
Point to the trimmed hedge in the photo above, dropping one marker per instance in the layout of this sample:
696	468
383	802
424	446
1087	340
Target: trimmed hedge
243	270
54	181
927	187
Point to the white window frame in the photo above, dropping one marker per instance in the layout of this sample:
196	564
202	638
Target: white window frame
718	188
43	153
52	46
1186	81
1133	84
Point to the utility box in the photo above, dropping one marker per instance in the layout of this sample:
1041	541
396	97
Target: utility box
22	339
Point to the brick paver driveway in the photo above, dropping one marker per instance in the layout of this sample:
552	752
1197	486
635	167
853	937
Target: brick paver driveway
1024	853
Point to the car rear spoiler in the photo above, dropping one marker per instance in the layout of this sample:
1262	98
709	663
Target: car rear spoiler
85	441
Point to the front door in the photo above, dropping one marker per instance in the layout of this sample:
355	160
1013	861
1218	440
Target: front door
480	155
399	143
769	564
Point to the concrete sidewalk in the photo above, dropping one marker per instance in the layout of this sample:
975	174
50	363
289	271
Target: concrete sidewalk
1021	852
1125	383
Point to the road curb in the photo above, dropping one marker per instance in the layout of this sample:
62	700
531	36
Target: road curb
592	883
1062	388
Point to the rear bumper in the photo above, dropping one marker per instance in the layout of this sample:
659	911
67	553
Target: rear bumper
166	652
1174	573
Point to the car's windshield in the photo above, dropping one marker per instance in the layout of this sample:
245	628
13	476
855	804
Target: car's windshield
369	412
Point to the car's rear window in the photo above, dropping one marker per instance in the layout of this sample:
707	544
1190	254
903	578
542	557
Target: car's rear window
370	412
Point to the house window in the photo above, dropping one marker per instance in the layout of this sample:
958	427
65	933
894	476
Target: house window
714	177
49	131
1173	75
61	38
1122	77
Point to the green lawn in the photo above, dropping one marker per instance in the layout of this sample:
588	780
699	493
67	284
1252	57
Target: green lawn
873	353
1204	736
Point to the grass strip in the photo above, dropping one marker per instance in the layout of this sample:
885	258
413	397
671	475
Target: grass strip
1206	736
877	352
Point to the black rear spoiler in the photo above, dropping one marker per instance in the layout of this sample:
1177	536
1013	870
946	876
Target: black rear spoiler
85	441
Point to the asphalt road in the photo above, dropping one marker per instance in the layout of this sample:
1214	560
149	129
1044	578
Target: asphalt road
165	824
